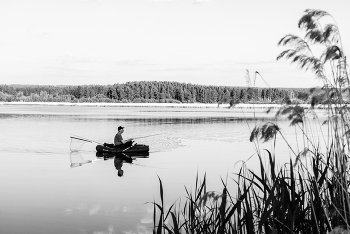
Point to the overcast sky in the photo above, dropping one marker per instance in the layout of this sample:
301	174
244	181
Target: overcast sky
209	42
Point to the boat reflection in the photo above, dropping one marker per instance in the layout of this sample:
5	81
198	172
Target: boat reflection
109	155
121	158
77	160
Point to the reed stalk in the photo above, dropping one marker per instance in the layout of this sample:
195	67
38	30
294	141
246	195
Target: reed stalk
308	194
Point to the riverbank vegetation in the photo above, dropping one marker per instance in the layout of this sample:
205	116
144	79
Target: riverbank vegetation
151	92
309	193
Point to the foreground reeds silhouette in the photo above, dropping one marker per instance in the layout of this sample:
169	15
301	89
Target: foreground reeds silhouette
308	194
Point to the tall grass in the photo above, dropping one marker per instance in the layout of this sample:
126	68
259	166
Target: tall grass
308	194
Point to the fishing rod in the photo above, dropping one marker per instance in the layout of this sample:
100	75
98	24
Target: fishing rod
85	139
148	136
89	140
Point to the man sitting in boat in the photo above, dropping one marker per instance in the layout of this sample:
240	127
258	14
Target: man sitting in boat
118	139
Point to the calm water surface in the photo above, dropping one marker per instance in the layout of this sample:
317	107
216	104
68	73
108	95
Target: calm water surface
44	191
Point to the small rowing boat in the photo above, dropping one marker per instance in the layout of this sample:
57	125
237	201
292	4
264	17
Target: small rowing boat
132	149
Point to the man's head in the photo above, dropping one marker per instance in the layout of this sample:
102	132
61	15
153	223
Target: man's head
120	173
120	128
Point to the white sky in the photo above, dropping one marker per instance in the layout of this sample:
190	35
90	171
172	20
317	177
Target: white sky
209	42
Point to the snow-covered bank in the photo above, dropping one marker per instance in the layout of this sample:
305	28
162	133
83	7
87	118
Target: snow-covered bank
168	105
102	104
145	110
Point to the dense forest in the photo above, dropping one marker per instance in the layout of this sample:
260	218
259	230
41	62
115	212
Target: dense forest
151	92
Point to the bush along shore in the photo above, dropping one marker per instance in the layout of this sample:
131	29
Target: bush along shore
308	194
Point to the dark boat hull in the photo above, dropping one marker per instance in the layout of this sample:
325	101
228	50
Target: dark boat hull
122	155
133	149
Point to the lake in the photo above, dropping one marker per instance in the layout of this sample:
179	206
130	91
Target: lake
46	188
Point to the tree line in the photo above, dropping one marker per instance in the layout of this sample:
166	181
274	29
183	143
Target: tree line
151	92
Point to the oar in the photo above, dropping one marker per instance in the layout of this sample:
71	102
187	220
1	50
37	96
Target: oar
139	138
127	156
128	148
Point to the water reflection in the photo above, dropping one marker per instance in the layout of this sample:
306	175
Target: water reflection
171	120
77	160
118	164
189	142
111	155
121	158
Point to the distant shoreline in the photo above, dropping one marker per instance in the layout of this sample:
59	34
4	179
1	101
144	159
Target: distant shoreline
160	105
